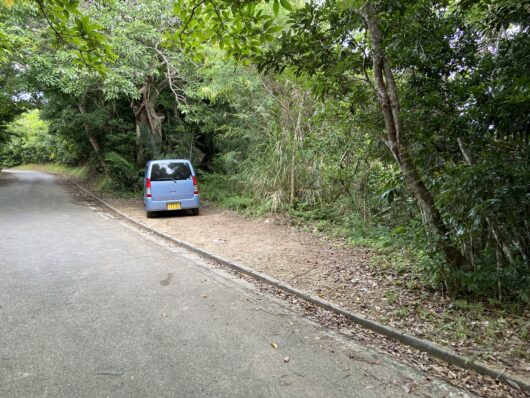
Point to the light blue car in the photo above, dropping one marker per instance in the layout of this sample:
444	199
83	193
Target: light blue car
170	184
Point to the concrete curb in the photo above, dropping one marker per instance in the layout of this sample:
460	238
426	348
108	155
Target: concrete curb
429	347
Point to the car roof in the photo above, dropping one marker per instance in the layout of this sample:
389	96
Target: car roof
168	160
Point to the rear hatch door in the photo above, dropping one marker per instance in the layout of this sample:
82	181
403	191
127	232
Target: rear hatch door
171	181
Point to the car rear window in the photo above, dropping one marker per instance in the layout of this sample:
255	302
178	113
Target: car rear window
170	171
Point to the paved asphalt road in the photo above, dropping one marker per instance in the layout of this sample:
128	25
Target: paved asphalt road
90	307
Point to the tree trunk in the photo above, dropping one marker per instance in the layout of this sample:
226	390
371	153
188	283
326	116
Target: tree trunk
388	98
140	148
145	115
91	136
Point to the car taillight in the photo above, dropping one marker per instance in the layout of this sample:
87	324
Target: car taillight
148	187
195	186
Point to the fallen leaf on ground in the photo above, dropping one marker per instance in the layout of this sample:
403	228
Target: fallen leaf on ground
274	345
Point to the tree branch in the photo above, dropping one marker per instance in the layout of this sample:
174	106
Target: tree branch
193	10
178	97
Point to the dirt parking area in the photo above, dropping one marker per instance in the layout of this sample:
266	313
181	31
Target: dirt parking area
270	245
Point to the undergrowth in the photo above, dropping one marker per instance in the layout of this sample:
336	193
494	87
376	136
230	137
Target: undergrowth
396	249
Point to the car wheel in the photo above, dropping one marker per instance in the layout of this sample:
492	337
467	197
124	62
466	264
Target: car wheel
150	214
195	212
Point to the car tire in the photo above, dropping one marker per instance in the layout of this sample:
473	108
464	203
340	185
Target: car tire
150	214
195	212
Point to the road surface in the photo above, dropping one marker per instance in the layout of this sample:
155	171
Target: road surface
90	307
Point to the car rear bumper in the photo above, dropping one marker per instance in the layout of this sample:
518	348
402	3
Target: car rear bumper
161	205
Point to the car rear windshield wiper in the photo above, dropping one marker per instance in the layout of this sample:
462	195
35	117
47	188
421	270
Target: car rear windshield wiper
168	179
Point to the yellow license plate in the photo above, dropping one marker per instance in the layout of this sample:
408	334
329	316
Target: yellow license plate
173	206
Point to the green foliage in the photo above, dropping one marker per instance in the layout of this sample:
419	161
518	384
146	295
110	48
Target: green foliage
29	141
6	44
9	109
239	28
76	31
125	173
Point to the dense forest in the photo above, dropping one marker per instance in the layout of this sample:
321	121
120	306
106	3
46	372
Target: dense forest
400	119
